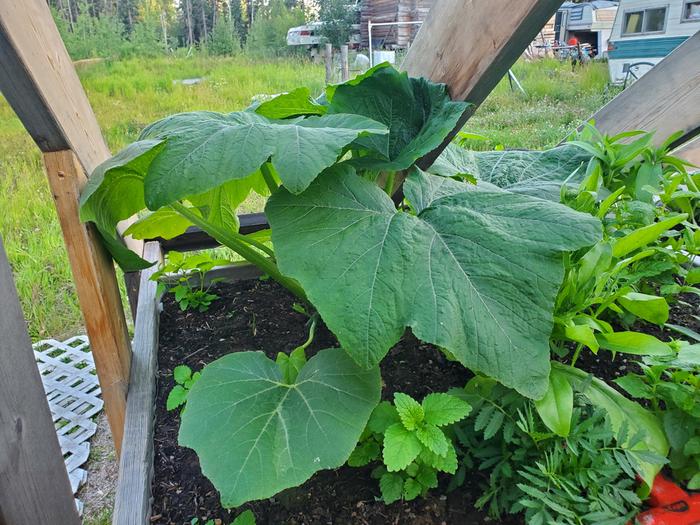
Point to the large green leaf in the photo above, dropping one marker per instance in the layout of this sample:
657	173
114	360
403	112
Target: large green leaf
204	150
114	192
256	435
292	104
418	113
621	411
475	272
537	173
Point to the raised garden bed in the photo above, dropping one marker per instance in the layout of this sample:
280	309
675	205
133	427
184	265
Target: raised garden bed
255	314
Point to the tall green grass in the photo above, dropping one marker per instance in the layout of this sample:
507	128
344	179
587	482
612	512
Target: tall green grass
129	94
126	95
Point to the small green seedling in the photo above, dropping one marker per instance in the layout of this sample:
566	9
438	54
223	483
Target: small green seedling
190	290
184	381
411	439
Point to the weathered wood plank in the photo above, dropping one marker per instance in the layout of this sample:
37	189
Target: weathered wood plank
34	485
665	100
196	239
238	271
133	499
96	286
470	45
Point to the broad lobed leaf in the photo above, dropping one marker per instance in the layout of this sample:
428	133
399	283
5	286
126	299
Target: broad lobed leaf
418	113
537	173
476	272
256	435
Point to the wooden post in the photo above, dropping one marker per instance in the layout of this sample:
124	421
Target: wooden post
96	285
665	100
471	45
34	484
344	66
329	63
39	81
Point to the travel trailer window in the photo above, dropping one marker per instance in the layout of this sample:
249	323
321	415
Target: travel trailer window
646	21
691	11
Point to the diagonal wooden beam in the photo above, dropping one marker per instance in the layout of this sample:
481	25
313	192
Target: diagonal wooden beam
34	484
38	80
665	100
470	45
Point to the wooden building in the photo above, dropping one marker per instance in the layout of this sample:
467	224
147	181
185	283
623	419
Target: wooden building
381	11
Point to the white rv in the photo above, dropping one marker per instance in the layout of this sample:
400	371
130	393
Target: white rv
645	31
589	23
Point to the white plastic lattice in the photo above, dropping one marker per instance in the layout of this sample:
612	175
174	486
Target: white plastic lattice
68	373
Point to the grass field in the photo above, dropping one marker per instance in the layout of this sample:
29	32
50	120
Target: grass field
129	94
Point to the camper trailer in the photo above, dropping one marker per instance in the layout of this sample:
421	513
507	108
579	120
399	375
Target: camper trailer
589	23
645	31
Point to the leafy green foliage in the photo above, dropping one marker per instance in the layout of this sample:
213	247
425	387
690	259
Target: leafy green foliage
410	439
635	270
585	478
185	278
256	434
418	114
639	431
536	173
389	270
184	381
671	386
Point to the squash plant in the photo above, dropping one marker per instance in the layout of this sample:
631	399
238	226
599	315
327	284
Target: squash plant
473	268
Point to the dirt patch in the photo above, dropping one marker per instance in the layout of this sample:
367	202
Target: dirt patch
98	492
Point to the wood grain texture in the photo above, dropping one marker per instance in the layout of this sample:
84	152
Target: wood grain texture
133	499
34	485
470	45
665	100
96	287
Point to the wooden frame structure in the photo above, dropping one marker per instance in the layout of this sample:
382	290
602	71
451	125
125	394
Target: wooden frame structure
40	83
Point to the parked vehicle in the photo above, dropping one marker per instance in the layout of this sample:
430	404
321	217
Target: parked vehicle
645	31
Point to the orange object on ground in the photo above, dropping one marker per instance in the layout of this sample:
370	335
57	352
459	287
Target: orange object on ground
671	505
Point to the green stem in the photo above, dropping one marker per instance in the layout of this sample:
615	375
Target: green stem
266	170
577	353
312	331
389	186
234	241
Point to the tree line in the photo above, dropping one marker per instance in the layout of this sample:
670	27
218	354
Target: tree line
103	28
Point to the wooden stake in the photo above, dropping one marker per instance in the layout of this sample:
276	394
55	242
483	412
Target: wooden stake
344	66
34	485
329	63
97	288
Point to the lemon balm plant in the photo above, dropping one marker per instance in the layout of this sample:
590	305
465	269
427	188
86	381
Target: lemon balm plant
472	266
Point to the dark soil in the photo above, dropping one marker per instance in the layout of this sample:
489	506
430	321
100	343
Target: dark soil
258	315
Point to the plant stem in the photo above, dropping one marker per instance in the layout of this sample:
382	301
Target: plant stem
389	186
233	240
577	352
266	170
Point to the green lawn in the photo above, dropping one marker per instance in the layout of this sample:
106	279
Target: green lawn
129	94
